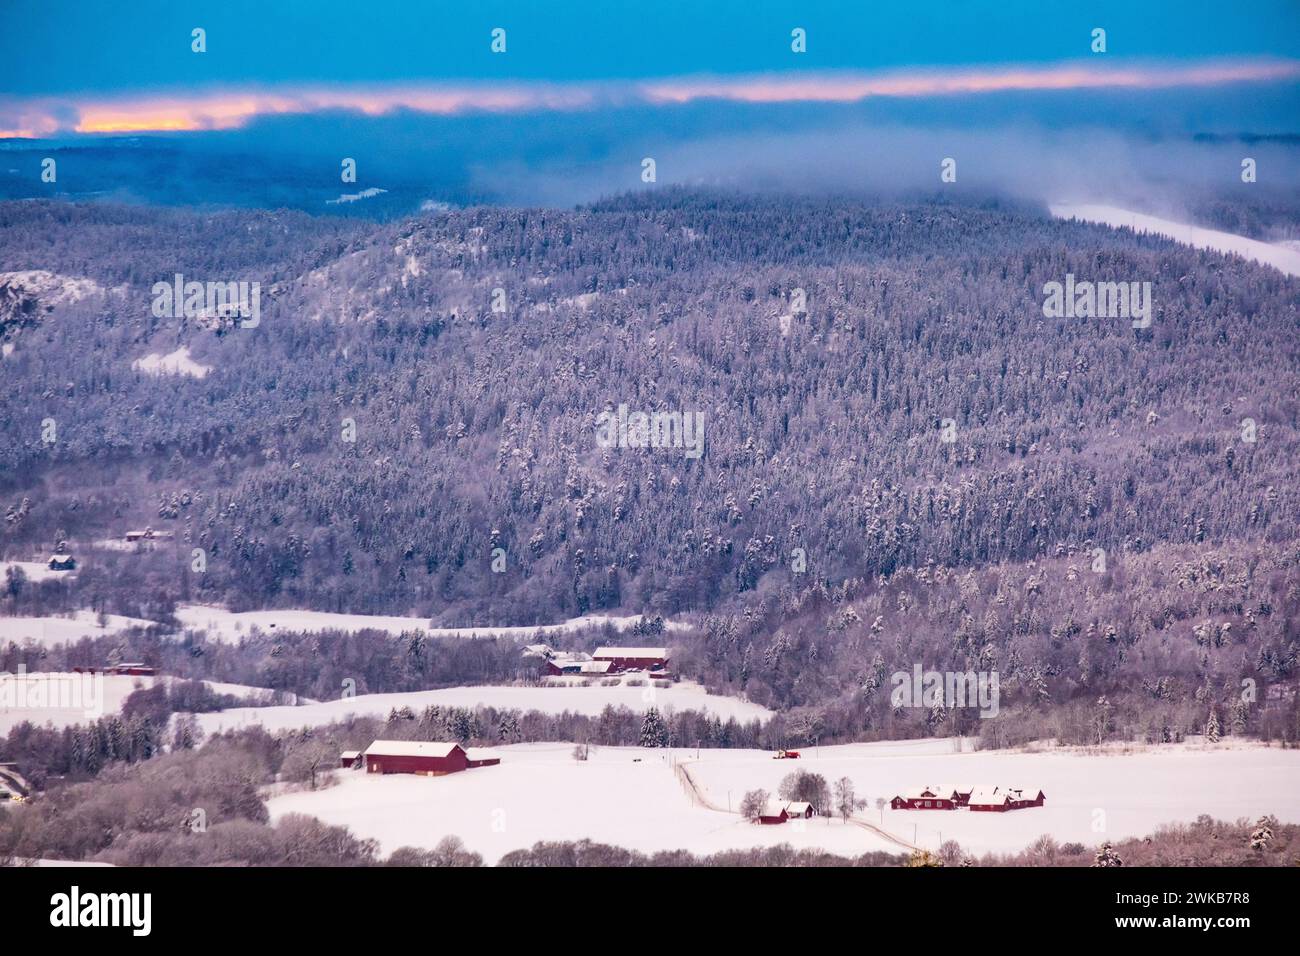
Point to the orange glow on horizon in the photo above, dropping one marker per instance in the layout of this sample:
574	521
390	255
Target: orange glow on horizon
224	110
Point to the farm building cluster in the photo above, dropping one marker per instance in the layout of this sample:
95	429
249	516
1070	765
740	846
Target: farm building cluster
602	662
783	811
132	669
982	798
425	758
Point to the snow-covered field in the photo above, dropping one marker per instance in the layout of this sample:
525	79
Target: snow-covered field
222	624
1128	794
56	630
550	700
1281	256
540	793
67	699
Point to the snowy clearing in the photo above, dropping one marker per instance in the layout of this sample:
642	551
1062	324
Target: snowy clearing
549	700
48	631
1276	255
222	624
65	699
34	570
540	793
173	363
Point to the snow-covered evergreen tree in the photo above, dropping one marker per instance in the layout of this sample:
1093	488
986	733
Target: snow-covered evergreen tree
1261	836
654	732
1106	856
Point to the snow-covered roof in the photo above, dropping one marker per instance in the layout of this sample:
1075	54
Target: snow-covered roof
537	650
988	796
350	754
1025	793
774	809
410	748
569	657
798	808
596	667
639	652
948	788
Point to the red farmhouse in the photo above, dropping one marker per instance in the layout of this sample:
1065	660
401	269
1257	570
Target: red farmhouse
927	798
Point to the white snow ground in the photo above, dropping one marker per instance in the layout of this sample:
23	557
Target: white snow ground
87	698
222	624
1280	256
48	631
540	793
550	700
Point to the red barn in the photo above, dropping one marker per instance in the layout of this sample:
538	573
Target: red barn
422	757
348	759
633	658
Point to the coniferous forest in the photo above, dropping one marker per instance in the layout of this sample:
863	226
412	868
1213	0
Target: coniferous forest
904	459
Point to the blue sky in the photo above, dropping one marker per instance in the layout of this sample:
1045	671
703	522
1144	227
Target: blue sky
63	47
